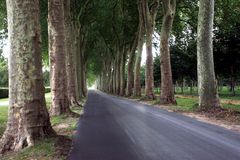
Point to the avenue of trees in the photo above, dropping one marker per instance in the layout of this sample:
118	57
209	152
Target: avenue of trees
87	41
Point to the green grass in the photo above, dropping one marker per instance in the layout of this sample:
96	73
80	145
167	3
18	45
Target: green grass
186	105
232	107
3	119
42	150
224	93
189	105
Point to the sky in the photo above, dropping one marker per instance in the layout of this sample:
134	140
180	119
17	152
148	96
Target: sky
156	51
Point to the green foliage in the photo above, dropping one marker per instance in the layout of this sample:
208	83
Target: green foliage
226	40
114	27
142	75
3	21
46	78
44	30
184	39
3	72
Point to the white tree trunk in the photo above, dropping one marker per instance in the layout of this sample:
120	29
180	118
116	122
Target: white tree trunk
207	85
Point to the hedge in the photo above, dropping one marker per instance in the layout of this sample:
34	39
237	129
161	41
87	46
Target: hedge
4	92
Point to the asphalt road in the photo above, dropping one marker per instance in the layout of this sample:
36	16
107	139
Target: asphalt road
118	129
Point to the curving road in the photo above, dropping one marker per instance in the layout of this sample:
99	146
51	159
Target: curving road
118	129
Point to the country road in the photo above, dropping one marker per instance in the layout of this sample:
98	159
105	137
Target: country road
114	128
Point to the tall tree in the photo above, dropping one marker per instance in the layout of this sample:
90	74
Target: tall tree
167	93
28	118
131	60
70	55
137	66
60	103
207	85
149	13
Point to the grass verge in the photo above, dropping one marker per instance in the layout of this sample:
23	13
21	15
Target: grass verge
46	149
3	119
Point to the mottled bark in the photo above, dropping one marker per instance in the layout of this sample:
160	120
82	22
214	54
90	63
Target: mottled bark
137	67
81	62
75	58
131	60
60	103
122	73
207	84
149	22
28	119
130	76
78	62
118	73
84	79
167	90
70	59
115	77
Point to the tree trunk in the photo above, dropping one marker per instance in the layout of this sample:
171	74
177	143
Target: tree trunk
130	76
132	55
149	19
167	90
60	103
70	64
137	67
232	81
114	77
207	86
122	72
118	73
85	78
28	118
78	62
75	57
149	79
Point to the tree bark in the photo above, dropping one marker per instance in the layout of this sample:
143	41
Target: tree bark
167	90
122	72
130	77
60	103
130	72
70	64
149	21
28	118
137	67
118	73
207	86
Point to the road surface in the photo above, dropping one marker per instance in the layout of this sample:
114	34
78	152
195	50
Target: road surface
118	129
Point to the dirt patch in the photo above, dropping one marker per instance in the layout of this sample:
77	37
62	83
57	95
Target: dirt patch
206	117
225	118
62	147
